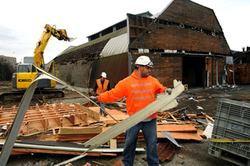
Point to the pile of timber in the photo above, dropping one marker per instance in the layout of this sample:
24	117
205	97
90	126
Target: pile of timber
71	124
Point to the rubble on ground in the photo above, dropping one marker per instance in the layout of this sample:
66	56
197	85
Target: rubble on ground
71	124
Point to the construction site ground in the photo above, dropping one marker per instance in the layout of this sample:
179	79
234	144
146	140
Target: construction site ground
192	153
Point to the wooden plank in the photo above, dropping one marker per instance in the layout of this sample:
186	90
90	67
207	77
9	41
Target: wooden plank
16	151
167	122
118	115
109	122
113	144
71	118
40	118
34	126
183	136
7	115
181	109
65	122
53	122
75	137
92	114
173	116
80	130
83	116
54	131
177	128
208	116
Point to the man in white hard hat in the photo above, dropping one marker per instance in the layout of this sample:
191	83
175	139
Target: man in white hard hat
102	85
139	89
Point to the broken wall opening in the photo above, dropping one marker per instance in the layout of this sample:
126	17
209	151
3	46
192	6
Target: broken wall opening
75	73
193	71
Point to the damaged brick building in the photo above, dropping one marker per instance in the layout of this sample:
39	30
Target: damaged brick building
239	71
185	42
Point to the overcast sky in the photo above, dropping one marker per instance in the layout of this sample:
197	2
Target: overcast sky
22	22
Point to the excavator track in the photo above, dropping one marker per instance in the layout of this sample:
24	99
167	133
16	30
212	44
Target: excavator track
38	94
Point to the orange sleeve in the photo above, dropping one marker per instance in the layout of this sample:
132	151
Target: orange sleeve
114	94
160	87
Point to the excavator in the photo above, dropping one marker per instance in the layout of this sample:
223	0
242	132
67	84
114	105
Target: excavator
26	72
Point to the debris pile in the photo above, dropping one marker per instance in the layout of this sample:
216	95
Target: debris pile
63	128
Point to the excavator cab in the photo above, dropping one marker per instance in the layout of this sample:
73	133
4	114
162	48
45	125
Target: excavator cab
25	75
25	68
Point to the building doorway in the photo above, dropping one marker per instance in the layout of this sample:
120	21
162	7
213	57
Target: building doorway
193	71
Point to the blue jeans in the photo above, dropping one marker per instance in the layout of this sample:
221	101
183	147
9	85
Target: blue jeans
150	136
102	104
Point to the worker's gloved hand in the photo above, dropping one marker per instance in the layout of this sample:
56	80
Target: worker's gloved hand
169	91
94	98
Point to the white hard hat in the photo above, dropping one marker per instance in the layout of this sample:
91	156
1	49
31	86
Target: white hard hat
144	60
104	75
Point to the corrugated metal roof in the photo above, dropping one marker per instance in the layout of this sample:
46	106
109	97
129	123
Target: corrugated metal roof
108	36
116	45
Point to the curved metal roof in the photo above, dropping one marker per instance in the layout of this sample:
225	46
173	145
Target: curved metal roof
116	45
106	37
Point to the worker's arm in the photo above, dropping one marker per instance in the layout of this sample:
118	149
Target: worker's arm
160	87
114	94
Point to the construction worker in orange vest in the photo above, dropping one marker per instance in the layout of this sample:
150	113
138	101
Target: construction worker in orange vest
139	89
102	85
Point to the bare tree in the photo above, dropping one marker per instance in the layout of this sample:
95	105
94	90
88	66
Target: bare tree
6	71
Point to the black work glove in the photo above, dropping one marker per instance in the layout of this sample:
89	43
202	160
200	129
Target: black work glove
94	98
169	91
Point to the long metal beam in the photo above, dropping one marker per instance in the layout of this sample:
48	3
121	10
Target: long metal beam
22	109
165	101
71	149
16	125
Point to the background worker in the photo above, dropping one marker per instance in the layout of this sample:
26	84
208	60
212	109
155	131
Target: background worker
102	85
139	89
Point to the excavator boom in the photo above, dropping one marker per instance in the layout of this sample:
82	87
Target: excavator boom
60	34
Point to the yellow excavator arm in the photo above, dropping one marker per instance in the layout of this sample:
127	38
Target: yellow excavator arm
26	72
60	34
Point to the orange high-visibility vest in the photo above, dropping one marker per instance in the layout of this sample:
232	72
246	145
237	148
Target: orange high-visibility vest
139	92
101	89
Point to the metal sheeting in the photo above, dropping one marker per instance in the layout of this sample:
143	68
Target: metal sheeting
98	40
166	100
170	138
115	66
116	45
